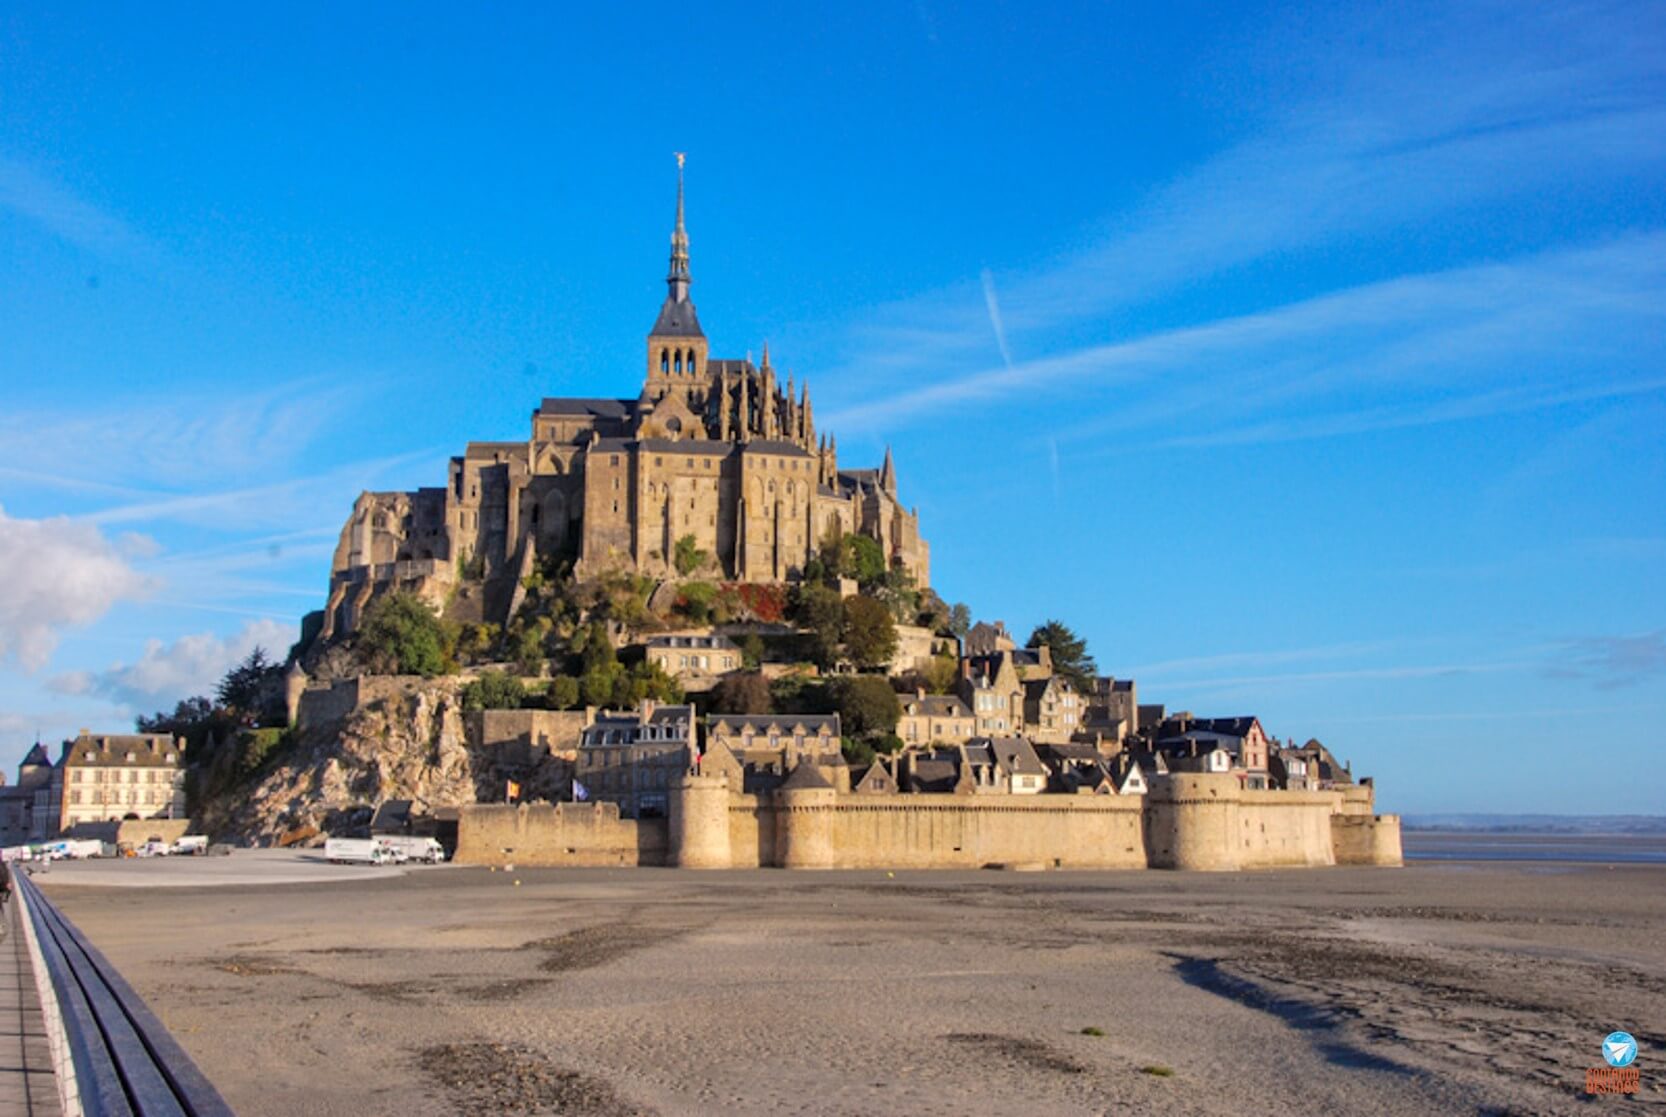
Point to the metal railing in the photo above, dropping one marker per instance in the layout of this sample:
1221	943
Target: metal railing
123	1061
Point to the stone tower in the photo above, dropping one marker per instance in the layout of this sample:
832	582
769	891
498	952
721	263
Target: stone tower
676	344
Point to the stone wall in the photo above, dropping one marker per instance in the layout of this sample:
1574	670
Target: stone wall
1198	821
557	834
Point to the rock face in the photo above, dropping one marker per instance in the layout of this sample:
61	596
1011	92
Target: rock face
410	742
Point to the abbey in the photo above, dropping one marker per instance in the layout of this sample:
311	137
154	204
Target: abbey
715	454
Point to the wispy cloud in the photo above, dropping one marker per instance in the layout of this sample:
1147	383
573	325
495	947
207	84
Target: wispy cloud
30	192
1413	350
1613	661
173	444
1480	111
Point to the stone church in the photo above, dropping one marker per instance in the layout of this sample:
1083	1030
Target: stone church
715	449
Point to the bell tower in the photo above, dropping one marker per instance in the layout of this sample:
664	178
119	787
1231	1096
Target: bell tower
676	344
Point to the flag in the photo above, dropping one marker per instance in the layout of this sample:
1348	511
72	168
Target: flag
514	792
580	792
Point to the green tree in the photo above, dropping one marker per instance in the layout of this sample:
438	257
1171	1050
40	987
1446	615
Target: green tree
1070	654
597	653
869	632
401	634
817	609
597	687
688	556
960	619
563	693
241	690
866	704
494	690
864	560
752	651
744	692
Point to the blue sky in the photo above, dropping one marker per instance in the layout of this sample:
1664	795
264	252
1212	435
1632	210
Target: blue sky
1309	363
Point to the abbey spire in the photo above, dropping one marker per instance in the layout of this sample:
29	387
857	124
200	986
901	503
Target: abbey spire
676	344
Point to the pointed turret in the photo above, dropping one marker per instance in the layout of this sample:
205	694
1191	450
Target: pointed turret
888	473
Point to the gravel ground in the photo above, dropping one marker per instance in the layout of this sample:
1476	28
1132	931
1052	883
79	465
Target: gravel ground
1437	988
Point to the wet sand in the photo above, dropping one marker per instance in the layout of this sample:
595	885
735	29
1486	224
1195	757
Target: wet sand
1437	988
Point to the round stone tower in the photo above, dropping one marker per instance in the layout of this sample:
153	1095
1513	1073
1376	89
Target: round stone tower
804	820
1192	821
697	827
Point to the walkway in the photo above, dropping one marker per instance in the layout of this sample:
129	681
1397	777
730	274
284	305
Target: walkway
26	1085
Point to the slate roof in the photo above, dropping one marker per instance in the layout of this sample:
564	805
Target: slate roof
38	755
150	750
936	706
775	446
734	723
1016	756
933	775
690	640
806	777
677	319
601	408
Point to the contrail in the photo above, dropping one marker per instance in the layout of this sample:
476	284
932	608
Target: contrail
995	315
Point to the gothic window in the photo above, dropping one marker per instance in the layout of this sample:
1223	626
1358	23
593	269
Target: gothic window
677	363
664	360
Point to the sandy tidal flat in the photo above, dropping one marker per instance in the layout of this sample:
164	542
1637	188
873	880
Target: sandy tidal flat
1457	988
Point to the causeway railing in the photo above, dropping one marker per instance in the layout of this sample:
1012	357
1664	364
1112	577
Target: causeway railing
113	1058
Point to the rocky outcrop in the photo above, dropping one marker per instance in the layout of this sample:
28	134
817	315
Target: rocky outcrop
407	739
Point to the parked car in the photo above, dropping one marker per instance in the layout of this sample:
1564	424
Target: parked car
194	845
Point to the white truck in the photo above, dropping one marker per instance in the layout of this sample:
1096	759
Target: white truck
194	845
426	850
358	851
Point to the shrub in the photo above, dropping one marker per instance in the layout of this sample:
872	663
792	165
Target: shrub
687	556
494	690
695	600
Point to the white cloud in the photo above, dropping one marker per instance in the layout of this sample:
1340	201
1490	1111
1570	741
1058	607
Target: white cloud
54	574
27	191
190	665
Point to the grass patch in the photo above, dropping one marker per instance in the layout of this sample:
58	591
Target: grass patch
1091	1031
1157	1070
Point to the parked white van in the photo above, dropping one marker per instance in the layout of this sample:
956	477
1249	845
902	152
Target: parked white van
357	851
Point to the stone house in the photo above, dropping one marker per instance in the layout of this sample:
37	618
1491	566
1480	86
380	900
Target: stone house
632	757
991	689
1113	707
1019	770
695	660
935	772
1052	709
877	779
933	719
758	751
107	777
1073	767
1185	739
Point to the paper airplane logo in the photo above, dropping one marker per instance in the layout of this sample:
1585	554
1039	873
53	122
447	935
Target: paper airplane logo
1619	1049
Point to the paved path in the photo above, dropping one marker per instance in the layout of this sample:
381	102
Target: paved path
26	1085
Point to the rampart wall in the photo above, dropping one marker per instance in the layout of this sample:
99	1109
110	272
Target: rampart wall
557	834
1192	821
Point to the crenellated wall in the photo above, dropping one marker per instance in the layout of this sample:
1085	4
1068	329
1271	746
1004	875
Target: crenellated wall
1197	821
